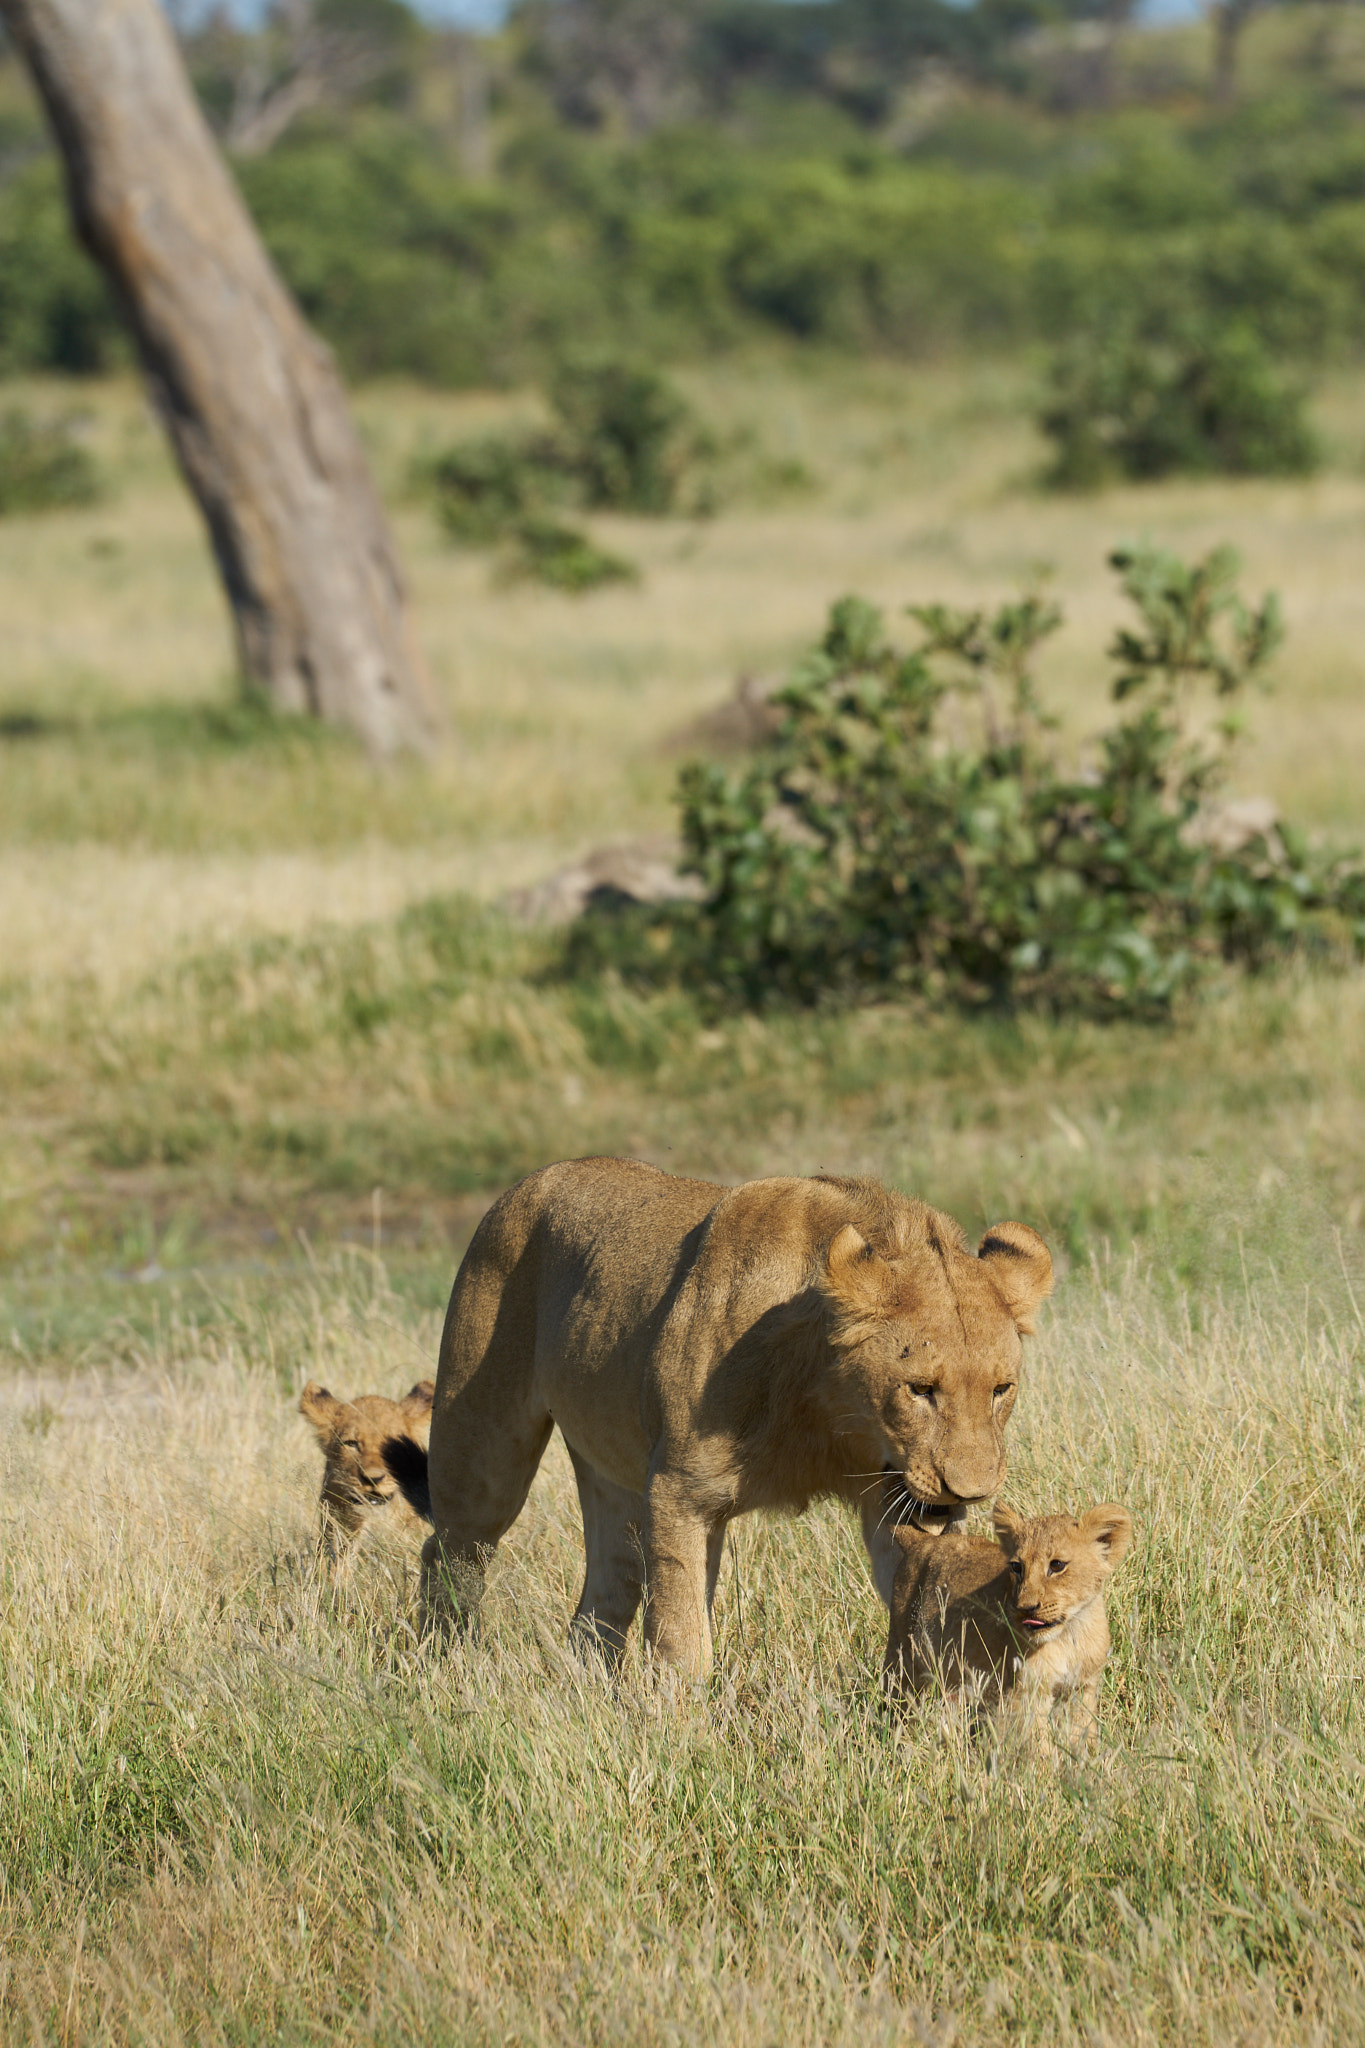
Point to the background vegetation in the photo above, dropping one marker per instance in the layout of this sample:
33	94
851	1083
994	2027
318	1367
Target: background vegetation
461	211
270	1037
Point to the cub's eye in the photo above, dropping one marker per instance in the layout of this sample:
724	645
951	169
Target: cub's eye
351	1444
923	1390
1058	1564
1007	1388
1016	1568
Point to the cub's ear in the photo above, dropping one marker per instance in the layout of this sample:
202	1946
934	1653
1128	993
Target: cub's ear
1021	1267
1009	1527
417	1401
1110	1529
320	1408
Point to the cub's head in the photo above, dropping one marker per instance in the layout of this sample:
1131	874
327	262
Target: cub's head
926	1353
353	1435
1059	1565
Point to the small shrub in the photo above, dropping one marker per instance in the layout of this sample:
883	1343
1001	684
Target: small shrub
43	465
1211	401
622	438
911	828
566	559
483	488
629	437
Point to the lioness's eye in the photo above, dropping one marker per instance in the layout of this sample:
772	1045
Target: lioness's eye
1058	1564
1001	1392
923	1390
352	1443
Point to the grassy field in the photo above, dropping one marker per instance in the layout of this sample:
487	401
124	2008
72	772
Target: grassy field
267	1047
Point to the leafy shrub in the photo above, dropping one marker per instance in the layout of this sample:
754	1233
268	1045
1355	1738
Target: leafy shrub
565	558
873	847
43	465
56	313
485	488
622	437
1211	401
629	437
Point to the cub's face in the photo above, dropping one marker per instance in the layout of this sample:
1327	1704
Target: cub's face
353	1434
927	1358
1058	1565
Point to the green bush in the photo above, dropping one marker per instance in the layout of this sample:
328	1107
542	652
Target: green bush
628	437
56	313
623	438
43	465
484	488
566	559
872	848
1209	401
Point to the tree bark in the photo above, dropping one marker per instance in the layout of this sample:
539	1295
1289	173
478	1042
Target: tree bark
1230	18
252	400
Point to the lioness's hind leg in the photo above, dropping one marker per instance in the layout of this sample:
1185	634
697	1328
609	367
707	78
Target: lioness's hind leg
613	1581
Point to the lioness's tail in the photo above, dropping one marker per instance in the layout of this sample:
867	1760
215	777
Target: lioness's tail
407	1461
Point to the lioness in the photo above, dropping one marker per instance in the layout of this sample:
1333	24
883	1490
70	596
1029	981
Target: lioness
1022	1621
706	1351
356	1481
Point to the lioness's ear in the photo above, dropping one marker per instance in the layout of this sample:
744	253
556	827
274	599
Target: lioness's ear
319	1407
1110	1529
847	1248
1021	1267
1009	1527
417	1401
854	1276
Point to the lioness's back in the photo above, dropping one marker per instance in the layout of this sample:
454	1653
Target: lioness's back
596	1225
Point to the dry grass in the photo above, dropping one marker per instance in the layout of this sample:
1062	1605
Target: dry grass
240	1807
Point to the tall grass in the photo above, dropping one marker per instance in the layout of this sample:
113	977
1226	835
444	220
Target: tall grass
240	1805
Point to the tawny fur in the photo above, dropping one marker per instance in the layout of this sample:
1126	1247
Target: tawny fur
1020	1622
707	1351
359	1491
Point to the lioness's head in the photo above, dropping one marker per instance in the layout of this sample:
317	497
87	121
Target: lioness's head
353	1435
925	1340
1059	1565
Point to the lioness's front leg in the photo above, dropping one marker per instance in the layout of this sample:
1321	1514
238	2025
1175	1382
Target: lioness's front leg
879	1537
681	1546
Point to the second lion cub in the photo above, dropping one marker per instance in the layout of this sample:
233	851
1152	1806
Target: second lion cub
1019	1622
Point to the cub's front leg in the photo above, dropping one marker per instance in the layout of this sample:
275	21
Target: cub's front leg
682	1546
1025	1712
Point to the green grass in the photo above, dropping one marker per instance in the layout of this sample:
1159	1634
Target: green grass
443	1053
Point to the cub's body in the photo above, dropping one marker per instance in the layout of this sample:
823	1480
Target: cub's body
1020	1622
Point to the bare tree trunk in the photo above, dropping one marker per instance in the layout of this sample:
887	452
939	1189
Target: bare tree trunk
251	398
1230	18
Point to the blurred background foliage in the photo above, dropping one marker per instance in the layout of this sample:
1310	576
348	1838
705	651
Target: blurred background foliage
675	176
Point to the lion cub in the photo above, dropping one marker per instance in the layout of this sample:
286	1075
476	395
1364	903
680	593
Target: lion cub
358	1438
1020	1621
